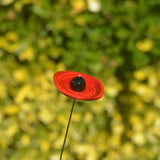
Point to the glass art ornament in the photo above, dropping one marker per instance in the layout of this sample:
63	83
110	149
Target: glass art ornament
77	86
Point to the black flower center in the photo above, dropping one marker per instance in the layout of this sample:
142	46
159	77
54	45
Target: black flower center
78	84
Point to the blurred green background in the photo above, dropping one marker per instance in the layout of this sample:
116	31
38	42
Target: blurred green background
117	42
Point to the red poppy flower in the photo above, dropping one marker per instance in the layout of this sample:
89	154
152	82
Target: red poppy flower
78	85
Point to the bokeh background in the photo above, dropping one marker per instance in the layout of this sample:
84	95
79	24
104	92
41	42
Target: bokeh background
117	42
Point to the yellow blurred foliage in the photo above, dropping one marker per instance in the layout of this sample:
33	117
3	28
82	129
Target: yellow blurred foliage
31	118
12	36
3	91
59	140
139	138
153	80
140	75
54	156
136	123
25	140
62	119
78	5
128	149
20	75
80	21
118	128
112	87
157	122
114	141
137	103
112	90
97	107
11	110
13	47
3	43
43	96
94	5
44	145
142	90
88	117
150	118
63	1
27	128
76	117
101	141
112	155
11	130
45	115
26	107
18	5
27	54
157	101
9	42
31	155
40	79
145	92
86	151
60	67
145	45
3	143
24	92
6	2
1	117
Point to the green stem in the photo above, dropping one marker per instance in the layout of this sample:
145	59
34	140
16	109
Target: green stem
69	121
